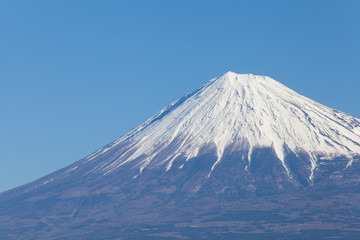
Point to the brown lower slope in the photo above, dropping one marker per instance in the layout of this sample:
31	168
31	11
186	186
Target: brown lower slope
233	203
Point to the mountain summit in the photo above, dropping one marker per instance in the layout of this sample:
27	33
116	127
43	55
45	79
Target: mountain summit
243	157
244	111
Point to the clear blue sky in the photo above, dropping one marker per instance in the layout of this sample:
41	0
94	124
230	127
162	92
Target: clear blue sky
75	75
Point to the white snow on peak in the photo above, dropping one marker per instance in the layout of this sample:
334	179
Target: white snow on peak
247	111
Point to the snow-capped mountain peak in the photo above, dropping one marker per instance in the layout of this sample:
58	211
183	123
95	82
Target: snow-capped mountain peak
241	110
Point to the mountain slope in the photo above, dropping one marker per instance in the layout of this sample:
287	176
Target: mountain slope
241	157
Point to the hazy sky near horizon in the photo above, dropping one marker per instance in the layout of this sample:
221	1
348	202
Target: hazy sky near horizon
75	75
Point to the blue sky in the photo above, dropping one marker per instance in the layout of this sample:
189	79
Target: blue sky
75	75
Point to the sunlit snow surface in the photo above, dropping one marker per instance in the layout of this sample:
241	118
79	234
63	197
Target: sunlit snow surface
244	110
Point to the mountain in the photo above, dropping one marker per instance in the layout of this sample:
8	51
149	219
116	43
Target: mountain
243	157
